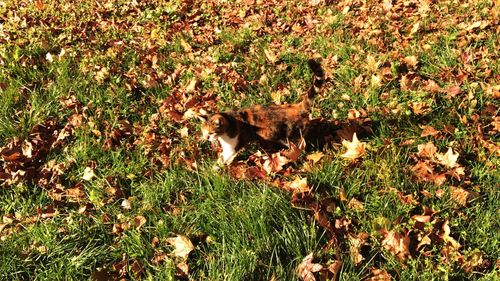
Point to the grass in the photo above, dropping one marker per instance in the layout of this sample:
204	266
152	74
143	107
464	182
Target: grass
125	64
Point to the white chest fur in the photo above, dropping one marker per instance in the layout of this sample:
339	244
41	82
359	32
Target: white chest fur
228	147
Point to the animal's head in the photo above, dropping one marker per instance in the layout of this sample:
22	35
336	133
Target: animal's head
214	126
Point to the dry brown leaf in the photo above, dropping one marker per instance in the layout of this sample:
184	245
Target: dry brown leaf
182	246
424	241
355	148
314	2
298	185
427	150
137	268
307	268
295	150
449	159
182	269
371	63
419	108
428	131
415	28
379	275
396	243
424	171
387	5
270	55
453	91
315	157
275	162
432	86
355	244
139	221
335	268
421	218
462	196
411	61
355	204
445	235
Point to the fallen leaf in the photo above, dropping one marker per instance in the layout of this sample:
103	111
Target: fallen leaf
137	268
307	268
126	204
387	5
88	174
335	268
462	196
411	61
445	235
355	244
139	221
449	159
379	275
353	114
428	131
415	28
355	148
427	150
295	150
314	2
315	157
275	163
419	108
396	243
356	205
270	55
182	246
371	63
453	91
299	185
432	86
182	269
424	171
183	132
191	86
421	218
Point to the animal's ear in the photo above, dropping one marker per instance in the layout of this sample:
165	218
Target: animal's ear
219	121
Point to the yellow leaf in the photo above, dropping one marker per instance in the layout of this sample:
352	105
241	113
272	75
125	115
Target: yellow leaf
191	86
315	157
411	61
186	46
299	185
270	55
182	246
355	148
449	159
371	63
88	174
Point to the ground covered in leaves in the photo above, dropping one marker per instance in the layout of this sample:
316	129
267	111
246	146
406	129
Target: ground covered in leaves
103	173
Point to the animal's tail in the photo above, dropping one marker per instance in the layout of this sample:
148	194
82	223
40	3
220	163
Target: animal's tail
318	80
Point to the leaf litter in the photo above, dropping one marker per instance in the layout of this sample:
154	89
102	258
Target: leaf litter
388	26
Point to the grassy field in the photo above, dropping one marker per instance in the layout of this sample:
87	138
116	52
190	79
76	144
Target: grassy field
104	176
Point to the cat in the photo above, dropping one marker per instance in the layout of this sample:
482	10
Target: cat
274	124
